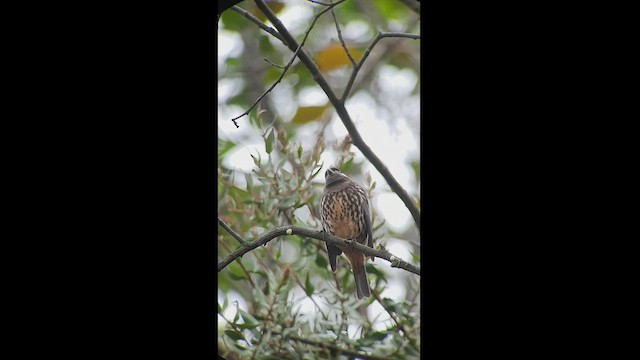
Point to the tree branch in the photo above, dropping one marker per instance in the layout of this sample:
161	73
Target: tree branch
380	36
357	140
286	67
344	46
257	21
314	234
233	233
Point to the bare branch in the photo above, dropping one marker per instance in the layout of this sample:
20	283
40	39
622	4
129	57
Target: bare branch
275	65
412	4
320	3
291	43
233	233
344	46
357	68
286	67
257	21
314	234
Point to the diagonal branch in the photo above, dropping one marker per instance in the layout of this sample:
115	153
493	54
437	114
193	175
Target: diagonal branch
232	232
357	140
314	234
344	46
257	21
286	67
380	36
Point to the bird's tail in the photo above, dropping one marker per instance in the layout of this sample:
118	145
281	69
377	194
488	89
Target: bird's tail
362	284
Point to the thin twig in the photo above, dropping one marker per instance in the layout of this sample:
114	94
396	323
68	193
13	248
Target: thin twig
357	68
286	67
224	244
344	46
257	21
232	232
276	65
320	3
291	43
314	234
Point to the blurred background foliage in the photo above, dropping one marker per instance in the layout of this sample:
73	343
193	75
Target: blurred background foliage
281	300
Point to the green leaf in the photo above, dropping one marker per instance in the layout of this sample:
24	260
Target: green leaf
321	261
237	316
390	304
224	147
255	161
249	180
316	172
281	163
268	143
371	269
233	334
346	166
299	151
288	202
377	335
249	321
308	287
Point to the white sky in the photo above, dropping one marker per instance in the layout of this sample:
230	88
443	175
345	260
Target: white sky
395	145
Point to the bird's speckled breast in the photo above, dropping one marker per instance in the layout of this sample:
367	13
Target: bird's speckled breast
342	213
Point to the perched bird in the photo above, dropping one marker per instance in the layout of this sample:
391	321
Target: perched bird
344	210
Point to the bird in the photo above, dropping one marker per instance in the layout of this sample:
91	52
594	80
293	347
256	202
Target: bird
344	212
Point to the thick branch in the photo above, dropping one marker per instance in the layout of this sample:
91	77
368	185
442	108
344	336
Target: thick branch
342	112
314	234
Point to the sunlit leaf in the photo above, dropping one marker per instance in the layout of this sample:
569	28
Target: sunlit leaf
306	114
334	56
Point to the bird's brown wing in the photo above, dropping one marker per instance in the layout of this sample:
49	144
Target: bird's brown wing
367	224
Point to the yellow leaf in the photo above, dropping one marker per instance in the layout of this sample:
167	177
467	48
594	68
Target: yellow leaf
334	56
307	114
